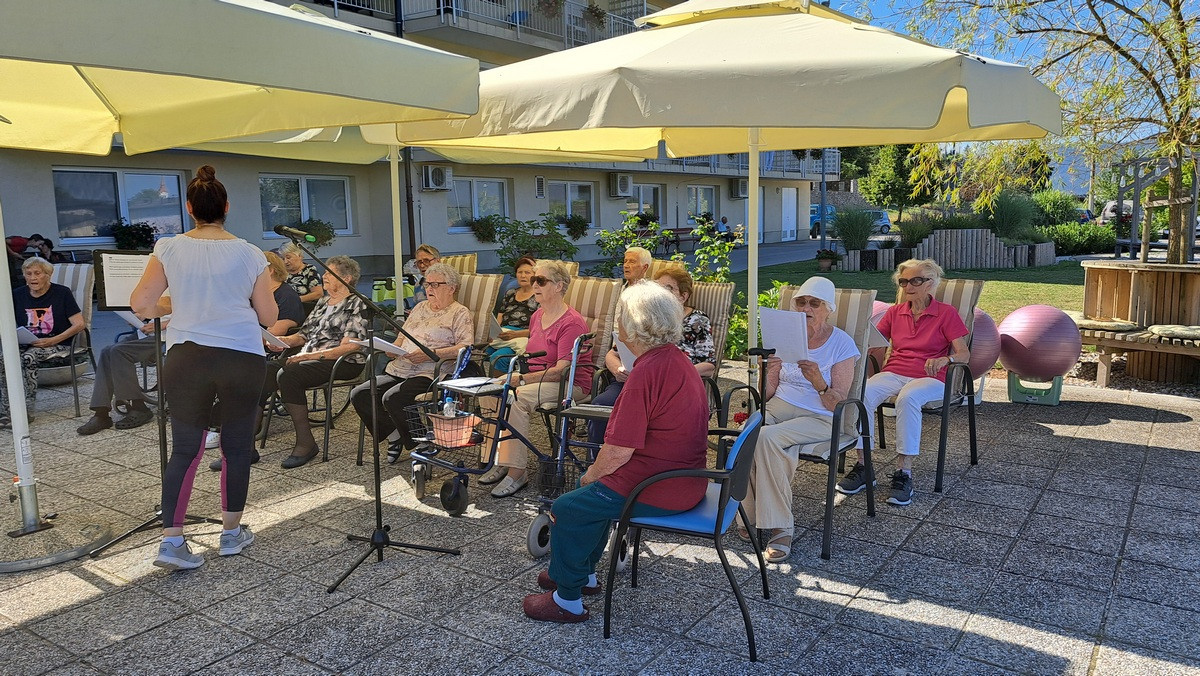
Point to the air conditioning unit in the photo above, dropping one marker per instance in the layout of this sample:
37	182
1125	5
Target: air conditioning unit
739	188
620	185
436	177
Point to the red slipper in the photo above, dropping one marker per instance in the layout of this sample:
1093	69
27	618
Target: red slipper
542	607
546	583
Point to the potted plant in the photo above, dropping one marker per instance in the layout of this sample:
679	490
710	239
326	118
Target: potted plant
322	231
577	226
826	258
130	236
595	15
550	8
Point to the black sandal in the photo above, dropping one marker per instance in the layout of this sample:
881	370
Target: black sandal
395	450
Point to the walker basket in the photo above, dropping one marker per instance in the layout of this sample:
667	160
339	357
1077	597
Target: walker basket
551	481
454	439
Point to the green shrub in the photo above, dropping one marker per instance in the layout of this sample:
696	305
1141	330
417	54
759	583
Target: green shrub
1054	206
1077	239
854	228
535	238
322	231
736	339
577	225
133	236
915	230
1012	214
958	222
485	227
637	230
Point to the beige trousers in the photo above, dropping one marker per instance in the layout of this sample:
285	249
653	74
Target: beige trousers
768	503
523	403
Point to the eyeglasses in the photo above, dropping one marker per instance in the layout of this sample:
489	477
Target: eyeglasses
539	280
436	285
424	261
915	281
814	303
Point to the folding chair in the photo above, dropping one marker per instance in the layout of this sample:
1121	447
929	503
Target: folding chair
962	295
710	518
462	263
329	415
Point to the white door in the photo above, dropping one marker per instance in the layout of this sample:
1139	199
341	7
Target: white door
788	219
762	210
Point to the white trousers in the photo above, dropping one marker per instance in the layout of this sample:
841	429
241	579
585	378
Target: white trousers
768	503
911	394
522	407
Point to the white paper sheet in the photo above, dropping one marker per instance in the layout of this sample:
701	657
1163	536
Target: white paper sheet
786	332
383	346
130	318
494	328
25	336
627	358
273	340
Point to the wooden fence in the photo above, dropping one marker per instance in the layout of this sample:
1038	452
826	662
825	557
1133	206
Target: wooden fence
955	250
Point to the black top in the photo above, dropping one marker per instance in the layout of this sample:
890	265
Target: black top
47	315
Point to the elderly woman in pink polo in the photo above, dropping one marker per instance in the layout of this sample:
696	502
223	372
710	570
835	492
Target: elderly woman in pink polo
926	336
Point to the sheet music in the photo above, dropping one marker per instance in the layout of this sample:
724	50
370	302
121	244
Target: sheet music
383	346
786	332
25	336
273	340
627	358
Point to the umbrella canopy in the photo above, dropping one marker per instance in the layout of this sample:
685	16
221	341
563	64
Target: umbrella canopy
76	72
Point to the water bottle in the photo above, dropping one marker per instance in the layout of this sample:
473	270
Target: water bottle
448	408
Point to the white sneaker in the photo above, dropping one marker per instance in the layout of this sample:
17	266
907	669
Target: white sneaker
509	486
177	558
496	473
212	440
234	544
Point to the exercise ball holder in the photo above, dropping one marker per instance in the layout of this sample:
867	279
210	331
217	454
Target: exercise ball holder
1034	391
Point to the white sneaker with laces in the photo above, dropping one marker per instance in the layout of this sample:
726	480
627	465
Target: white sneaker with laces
234	544
212	440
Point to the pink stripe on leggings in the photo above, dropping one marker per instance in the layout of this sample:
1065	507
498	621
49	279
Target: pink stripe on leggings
224	467
185	491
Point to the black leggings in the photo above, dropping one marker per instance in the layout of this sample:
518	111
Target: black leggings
294	380
394	395
193	377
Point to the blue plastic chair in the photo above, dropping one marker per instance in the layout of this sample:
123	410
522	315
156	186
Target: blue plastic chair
711	518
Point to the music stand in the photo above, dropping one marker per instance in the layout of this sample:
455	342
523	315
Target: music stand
117	273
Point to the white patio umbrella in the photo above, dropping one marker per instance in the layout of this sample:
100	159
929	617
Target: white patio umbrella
76	73
727	77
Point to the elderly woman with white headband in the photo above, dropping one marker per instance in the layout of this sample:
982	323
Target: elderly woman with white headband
800	400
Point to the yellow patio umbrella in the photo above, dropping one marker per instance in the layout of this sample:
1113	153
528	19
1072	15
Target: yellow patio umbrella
74	74
722	76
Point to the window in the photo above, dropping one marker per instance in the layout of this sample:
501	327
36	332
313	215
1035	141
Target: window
702	199
472	198
570	199
89	201
645	200
288	200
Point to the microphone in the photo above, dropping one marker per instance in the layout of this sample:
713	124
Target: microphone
293	233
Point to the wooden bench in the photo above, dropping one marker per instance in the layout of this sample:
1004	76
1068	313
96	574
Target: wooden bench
1145	294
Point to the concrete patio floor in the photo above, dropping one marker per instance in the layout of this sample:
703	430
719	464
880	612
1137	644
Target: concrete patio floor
1071	548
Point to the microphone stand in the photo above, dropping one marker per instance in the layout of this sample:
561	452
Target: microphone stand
161	416
379	540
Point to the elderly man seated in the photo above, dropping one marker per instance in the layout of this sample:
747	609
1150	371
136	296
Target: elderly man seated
116	377
636	265
659	423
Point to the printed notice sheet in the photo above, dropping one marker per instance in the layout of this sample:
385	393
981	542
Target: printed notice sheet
786	332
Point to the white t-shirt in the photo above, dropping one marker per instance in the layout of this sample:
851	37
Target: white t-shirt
210	282
795	389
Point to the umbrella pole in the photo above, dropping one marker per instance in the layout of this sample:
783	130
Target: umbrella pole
397	233
26	486
752	252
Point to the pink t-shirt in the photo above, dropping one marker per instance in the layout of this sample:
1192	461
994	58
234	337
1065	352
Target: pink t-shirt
914	341
662	413
557	341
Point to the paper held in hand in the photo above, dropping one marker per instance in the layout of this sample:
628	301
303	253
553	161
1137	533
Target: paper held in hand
786	332
627	358
25	336
273	340
494	328
383	346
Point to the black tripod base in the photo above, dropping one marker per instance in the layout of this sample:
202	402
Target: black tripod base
152	523
379	541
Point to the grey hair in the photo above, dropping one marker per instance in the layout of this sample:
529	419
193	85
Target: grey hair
650	315
925	264
347	268
429	249
447	272
37	261
556	271
643	255
290	248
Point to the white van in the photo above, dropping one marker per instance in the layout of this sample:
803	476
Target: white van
1109	212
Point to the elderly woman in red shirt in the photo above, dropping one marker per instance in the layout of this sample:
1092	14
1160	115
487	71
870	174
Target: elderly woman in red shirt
659	423
927	336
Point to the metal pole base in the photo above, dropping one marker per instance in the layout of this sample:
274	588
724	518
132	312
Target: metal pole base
30	530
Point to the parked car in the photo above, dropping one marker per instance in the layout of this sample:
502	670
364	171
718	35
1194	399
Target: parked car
1084	215
814	219
883	222
1109	212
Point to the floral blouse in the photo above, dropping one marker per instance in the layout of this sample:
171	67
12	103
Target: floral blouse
516	313
327	324
435	329
304	281
697	341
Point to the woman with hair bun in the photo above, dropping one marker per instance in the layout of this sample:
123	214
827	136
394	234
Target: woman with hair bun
220	295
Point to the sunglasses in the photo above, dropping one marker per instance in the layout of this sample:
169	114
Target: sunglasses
436	285
915	281
539	280
814	303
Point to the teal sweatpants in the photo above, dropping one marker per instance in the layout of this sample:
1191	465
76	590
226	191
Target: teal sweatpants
580	533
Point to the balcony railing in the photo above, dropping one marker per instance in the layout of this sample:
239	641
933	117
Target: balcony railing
568	21
381	7
779	160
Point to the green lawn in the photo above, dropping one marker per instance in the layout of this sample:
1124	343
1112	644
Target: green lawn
1058	285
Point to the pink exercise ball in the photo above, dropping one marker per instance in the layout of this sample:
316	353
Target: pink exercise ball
880	353
985	344
1039	342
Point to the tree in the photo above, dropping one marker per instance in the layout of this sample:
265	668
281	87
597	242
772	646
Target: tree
887	180
1127	72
